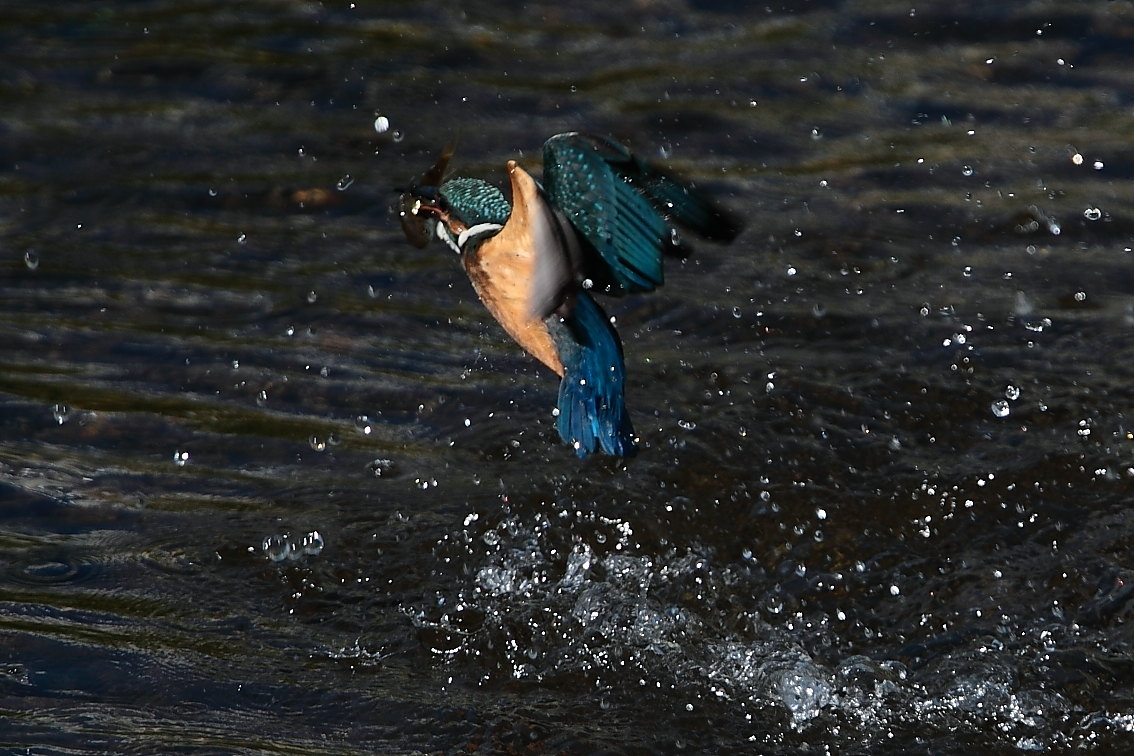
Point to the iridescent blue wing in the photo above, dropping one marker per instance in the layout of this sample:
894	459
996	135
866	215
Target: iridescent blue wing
624	208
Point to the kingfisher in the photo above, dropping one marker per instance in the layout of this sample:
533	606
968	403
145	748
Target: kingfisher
601	220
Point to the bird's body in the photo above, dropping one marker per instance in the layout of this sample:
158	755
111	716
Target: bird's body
601	221
516	269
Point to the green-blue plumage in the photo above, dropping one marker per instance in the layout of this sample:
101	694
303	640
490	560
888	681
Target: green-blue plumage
476	201
623	208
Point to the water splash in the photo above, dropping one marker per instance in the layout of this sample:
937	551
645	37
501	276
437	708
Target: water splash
382	468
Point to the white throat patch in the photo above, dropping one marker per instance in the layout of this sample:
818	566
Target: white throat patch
473	232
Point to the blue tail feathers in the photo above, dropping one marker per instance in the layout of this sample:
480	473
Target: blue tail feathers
592	409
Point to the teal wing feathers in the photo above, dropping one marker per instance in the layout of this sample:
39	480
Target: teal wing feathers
624	209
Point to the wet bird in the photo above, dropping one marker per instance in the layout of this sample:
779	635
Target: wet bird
601	220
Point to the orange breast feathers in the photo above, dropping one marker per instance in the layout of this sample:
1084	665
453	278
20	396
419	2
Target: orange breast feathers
522	272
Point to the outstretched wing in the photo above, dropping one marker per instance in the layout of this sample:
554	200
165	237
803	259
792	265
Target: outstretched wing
624	208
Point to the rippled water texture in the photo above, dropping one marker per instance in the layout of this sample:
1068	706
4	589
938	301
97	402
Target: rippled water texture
271	481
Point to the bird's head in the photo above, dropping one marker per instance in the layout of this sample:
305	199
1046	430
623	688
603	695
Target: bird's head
457	211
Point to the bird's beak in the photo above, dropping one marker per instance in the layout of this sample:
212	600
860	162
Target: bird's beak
414	208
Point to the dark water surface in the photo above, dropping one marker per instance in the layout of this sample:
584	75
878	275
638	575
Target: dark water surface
271	481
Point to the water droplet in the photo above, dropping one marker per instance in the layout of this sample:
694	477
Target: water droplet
181	458
312	297
1077	159
31	259
1000	408
261	398
61	413
381	124
312	543
736	312
344	183
276	547
362	422
397	135
1012	392
242	239
317	443
967	170
687	424
1092	213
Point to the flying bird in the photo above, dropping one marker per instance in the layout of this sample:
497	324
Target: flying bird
600	221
